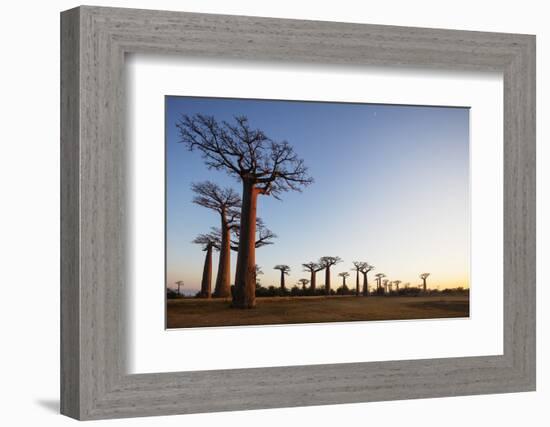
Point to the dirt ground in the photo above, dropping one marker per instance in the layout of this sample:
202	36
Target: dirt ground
194	312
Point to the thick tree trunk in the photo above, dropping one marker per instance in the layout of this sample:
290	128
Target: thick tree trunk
206	283
344	284
424	285
245	285
365	285
357	284
282	279
223	279
312	281
327	280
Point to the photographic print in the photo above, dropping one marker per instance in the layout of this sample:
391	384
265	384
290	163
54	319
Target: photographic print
288	212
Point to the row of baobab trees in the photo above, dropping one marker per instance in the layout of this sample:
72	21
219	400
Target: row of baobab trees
359	267
263	167
383	286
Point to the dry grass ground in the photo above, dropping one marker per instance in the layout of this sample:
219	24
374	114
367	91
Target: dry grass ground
194	312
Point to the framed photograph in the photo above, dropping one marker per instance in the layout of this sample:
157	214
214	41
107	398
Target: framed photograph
307	213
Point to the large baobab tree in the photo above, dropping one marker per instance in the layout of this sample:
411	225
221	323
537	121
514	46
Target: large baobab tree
264	167
285	270
208	242
180	284
357	267
226	202
326	262
379	278
344	275
312	268
424	276
366	268
304	283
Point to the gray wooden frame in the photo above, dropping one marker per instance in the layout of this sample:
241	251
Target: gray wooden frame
94	41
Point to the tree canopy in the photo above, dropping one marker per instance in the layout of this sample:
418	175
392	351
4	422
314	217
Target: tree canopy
243	152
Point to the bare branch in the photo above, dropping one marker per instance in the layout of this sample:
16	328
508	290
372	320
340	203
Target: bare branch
366	267
208	240
285	269
329	261
223	200
312	267
273	167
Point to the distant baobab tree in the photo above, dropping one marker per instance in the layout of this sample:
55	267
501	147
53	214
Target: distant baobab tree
326	262
379	278
208	242
365	269
179	283
285	270
385	282
344	275
424	276
312	268
226	202
264	167
357	267
304	283
397	283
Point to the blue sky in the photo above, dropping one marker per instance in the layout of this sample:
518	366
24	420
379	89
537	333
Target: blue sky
391	188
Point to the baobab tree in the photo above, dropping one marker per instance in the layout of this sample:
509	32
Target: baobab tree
208	242
304	283
344	275
379	278
312	268
357	267
264	167
226	202
180	284
366	268
285	270
326	262
424	276
396	283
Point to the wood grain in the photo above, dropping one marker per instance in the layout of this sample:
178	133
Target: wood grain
94	382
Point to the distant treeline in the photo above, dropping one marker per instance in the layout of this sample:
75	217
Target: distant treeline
296	291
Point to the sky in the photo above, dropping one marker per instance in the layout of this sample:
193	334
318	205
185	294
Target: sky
391	188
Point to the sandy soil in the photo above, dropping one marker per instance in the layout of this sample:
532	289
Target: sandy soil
194	312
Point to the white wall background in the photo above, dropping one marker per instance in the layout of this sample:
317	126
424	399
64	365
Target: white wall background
29	225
